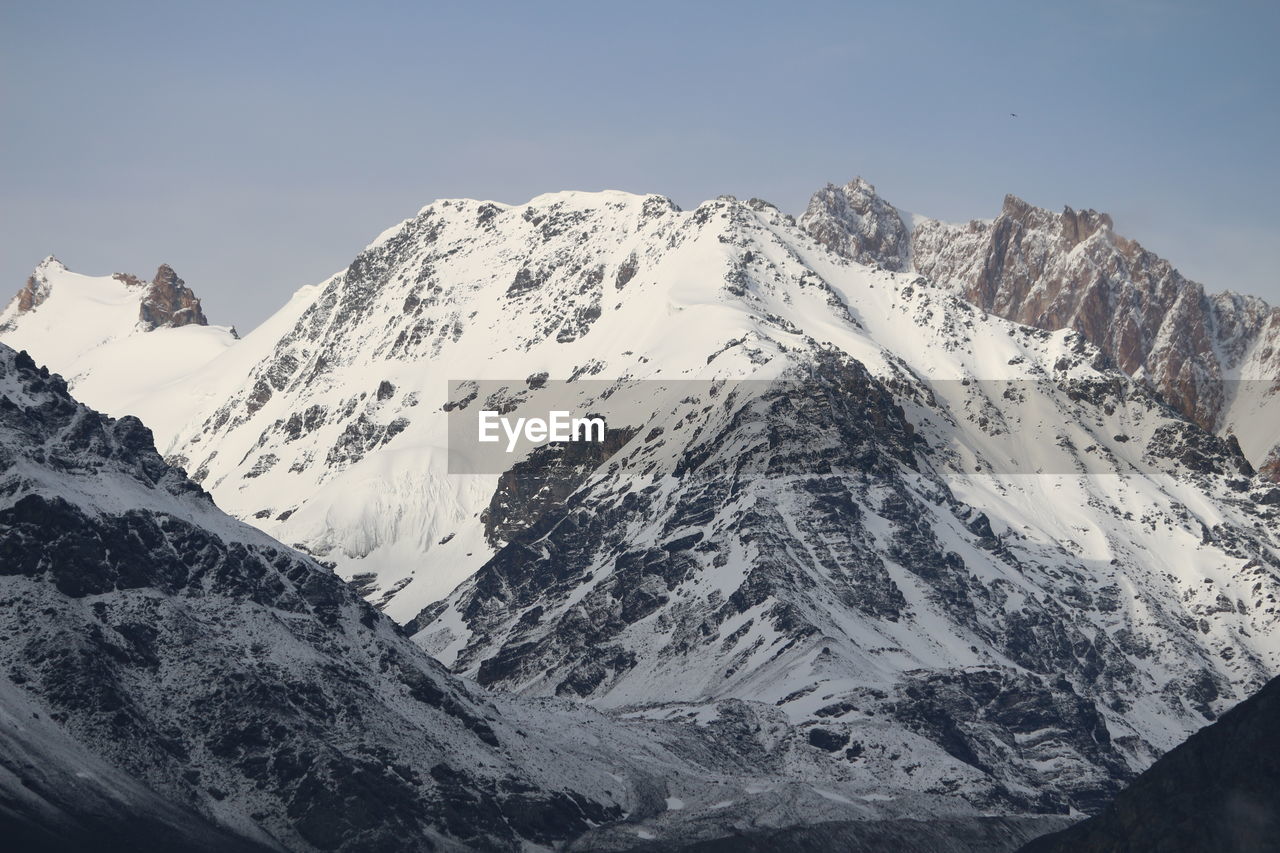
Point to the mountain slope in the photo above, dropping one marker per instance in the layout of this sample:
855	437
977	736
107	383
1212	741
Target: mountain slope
228	674
173	679
728	291
800	550
1219	791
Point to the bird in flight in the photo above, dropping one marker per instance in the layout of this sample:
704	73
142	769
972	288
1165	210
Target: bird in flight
1015	115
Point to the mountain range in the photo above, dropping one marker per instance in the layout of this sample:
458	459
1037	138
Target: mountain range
959	520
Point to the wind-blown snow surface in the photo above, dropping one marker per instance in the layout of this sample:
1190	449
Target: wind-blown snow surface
1050	581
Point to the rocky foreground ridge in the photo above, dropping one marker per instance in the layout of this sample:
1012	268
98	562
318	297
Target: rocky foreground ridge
1219	791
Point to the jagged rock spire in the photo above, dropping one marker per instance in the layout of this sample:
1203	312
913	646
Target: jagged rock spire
169	302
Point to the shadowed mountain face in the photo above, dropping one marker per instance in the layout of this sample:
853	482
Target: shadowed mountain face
1217	793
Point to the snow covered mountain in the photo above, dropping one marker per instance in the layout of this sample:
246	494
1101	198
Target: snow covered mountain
171	678
198	662
885	570
1213	357
976	557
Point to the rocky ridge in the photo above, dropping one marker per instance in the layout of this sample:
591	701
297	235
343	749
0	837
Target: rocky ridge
169	302
1213	357
165	301
231	676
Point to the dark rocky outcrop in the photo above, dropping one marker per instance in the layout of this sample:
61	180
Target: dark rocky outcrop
1219	792
543	481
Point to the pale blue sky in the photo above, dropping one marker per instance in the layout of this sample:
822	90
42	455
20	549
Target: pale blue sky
257	146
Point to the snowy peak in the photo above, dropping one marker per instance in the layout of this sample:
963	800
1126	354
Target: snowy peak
788	550
33	293
164	301
114	338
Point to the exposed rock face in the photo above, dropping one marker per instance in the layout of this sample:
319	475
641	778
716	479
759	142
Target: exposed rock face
1270	468
543	482
1070	270
856	223
169	302
1219	791
32	294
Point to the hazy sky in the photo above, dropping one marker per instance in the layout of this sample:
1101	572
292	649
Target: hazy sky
258	146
